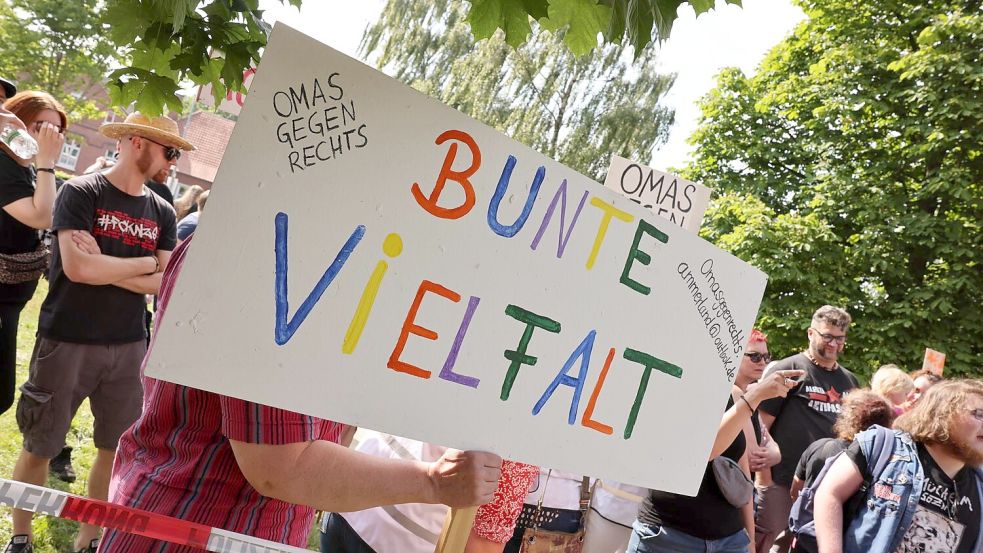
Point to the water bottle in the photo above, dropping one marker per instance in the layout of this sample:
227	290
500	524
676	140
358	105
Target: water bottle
20	143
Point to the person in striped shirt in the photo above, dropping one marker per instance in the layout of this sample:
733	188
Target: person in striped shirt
262	471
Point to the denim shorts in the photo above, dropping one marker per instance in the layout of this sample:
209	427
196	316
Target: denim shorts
649	538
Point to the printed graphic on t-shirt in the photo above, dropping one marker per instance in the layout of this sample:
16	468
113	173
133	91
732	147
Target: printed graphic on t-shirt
931	532
941	497
131	231
823	400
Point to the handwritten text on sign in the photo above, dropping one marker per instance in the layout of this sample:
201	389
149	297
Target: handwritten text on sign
438	280
680	201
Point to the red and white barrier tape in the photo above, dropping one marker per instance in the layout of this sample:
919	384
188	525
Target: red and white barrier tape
36	499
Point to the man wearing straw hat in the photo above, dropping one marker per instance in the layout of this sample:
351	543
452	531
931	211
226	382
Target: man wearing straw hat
114	239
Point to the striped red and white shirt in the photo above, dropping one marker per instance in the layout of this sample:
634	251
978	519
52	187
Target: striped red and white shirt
176	459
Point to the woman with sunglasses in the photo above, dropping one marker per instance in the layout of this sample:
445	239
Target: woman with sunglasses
762	451
720	517
27	193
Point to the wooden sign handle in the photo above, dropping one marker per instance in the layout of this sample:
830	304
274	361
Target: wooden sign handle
457	529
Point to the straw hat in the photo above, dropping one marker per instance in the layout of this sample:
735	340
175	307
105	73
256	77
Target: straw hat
161	129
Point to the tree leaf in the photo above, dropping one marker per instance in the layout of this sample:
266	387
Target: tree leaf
583	21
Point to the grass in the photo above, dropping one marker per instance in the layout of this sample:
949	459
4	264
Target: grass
51	535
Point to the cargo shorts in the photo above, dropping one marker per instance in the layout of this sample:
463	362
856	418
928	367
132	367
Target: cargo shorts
62	375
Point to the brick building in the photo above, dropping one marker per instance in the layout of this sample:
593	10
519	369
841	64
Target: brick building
209	133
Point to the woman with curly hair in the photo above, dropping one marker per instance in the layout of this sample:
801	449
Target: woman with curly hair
861	409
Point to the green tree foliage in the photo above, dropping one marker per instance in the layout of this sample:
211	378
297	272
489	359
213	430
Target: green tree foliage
57	47
214	41
850	171
170	41
578	111
637	22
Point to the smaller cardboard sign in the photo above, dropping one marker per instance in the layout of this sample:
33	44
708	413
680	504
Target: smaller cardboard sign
670	196
934	361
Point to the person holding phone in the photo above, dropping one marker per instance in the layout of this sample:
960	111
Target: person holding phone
805	415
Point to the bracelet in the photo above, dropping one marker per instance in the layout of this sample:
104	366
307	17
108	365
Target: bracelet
744	399
156	265
46	170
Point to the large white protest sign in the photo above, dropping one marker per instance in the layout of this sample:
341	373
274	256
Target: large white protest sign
680	201
371	256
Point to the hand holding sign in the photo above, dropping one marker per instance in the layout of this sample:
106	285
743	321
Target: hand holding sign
465	478
416	259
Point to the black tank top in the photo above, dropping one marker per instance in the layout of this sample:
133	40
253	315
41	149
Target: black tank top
707	516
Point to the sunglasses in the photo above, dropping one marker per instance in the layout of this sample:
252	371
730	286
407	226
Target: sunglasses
38	125
756	357
170	152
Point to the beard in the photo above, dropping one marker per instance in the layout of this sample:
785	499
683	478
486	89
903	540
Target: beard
144	162
819	352
962	450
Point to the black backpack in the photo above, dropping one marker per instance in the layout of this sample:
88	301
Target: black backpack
801	518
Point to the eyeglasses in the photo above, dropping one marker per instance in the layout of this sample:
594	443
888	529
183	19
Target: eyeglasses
977	414
829	338
756	357
170	152
38	125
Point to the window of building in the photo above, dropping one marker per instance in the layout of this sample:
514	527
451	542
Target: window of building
69	155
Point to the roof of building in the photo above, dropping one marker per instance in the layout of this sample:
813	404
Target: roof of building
210	135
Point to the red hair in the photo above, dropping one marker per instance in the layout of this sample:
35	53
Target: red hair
757	336
28	104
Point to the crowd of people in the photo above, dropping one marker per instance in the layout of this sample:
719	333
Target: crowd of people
804	459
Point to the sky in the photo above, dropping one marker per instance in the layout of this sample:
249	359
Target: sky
727	36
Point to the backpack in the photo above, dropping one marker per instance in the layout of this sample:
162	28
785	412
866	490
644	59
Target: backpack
801	517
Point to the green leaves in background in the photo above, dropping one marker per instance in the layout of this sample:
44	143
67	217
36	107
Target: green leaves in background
167	42
232	32
58	47
638	21
850	169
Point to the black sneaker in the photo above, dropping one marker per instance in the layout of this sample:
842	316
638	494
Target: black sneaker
93	546
20	543
61	466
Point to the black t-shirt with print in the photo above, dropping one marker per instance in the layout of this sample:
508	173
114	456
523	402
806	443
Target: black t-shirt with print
709	515
123	226
947	519
807	413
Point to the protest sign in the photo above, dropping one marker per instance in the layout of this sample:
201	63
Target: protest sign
934	361
372	256
680	201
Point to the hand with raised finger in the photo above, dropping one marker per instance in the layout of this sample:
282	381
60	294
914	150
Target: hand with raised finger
465	478
777	384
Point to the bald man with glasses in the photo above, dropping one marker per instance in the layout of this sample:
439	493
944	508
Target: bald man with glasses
807	414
